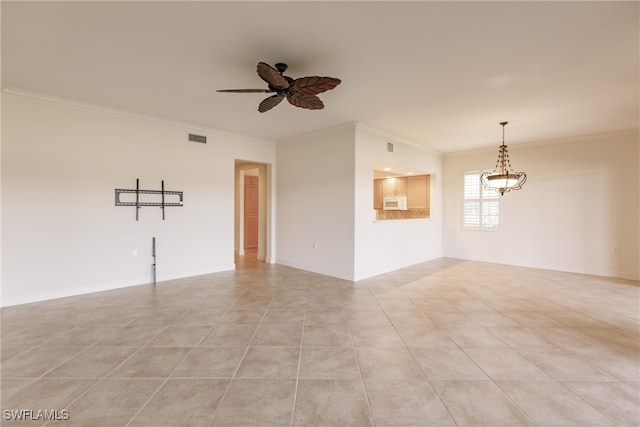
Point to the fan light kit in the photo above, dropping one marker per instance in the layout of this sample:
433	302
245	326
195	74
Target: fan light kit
299	92
503	178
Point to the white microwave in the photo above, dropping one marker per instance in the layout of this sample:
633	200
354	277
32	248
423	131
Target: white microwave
394	203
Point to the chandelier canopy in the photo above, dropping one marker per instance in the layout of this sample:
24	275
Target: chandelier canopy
503	178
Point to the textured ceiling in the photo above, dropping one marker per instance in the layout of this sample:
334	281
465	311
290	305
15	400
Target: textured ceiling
441	74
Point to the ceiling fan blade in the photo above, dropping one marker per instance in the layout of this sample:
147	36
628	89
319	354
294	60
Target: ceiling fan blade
310	102
270	102
246	90
272	76
314	85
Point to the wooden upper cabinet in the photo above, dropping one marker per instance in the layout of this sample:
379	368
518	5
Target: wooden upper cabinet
415	188
418	192
395	186
401	186
378	193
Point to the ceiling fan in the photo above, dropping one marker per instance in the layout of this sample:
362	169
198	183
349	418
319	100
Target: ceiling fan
299	92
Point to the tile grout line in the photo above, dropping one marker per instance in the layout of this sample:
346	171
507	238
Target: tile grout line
99	379
177	365
304	324
508	396
562	385
246	350
355	352
556	380
420	367
511	399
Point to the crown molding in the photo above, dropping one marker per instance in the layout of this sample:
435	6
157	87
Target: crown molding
348	125
357	126
554	141
396	139
87	106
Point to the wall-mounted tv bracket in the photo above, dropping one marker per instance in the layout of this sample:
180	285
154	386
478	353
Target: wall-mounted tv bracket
138	203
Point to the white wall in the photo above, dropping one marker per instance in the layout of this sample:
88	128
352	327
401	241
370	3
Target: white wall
577	212
62	234
383	246
315	193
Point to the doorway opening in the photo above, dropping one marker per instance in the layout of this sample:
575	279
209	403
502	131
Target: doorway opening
252	218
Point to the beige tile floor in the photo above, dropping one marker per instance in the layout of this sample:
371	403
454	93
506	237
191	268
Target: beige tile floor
443	343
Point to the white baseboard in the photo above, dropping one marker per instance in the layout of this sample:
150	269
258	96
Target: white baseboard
616	274
361	275
315	269
7	301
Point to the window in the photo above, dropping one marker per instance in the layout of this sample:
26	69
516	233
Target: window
481	209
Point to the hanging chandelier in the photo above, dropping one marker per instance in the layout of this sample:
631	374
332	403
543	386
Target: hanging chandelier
503	178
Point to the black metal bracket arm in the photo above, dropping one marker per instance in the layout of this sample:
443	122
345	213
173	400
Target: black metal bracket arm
162	203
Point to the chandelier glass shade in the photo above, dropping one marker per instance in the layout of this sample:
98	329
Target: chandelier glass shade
503	178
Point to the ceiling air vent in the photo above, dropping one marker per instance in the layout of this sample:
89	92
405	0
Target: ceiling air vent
197	138
389	147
